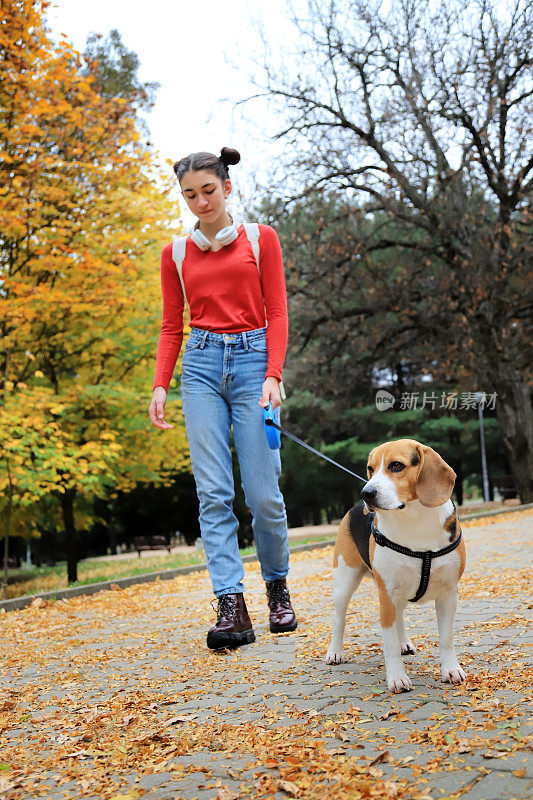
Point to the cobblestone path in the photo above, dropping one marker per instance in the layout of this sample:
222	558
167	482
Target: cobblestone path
115	695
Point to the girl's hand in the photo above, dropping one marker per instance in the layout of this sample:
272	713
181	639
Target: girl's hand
271	393
157	408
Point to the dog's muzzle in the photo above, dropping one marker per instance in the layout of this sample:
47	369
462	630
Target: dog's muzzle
369	496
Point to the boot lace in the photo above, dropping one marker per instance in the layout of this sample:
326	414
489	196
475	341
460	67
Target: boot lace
278	592
226	607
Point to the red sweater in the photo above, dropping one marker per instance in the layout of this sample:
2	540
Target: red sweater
225	295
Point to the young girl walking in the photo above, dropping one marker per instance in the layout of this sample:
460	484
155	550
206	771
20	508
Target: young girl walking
231	367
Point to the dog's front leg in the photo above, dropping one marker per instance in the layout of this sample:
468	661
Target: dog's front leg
446	606
397	678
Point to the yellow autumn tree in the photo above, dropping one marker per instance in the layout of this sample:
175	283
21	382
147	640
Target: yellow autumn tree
82	215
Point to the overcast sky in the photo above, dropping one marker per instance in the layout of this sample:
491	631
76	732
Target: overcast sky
185	46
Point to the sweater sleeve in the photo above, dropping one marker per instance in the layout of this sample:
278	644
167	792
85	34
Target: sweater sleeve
275	294
171	335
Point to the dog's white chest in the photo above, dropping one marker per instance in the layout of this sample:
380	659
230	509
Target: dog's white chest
401	574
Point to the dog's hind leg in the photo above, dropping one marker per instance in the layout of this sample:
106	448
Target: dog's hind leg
348	570
408	648
345	581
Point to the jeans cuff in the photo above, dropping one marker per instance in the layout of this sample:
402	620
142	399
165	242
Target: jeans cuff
230	591
275	577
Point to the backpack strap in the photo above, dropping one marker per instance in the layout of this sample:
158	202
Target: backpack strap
251	230
179	245
178	254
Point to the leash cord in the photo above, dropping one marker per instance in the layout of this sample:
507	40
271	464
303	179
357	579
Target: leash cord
312	449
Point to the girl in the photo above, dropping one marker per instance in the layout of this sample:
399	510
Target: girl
231	367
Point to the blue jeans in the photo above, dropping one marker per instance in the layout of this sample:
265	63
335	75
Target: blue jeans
221	381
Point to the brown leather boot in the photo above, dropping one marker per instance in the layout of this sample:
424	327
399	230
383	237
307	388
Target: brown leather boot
282	616
233	627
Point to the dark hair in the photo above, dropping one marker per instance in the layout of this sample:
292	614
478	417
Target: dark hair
217	164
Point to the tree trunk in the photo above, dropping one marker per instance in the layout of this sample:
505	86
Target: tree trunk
67	506
7	530
295	519
458	488
6	552
513	409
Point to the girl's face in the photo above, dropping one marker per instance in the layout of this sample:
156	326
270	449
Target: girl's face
205	194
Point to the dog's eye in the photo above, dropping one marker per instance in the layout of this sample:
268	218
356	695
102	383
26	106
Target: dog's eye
370	470
396	466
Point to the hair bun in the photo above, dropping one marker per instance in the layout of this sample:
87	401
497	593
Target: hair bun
176	164
229	156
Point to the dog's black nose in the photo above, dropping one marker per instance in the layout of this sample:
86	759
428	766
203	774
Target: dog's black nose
368	494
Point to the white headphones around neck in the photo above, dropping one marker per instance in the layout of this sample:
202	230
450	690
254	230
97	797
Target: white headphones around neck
225	236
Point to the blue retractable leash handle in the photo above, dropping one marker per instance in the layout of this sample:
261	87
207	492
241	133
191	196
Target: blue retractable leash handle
273	437
273	431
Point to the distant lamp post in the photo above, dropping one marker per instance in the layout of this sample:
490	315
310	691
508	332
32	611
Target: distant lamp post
480	397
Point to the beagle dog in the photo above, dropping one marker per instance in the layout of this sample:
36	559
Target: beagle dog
406	533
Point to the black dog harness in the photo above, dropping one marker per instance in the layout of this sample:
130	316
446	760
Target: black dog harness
425	555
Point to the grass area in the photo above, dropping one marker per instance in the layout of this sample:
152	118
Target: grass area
92	570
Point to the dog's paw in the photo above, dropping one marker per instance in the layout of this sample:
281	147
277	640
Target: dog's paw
399	683
453	673
334	657
408	648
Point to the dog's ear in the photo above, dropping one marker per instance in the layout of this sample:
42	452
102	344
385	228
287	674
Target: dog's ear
435	480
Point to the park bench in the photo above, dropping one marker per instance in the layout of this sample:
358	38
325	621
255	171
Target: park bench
505	485
12	563
150	543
